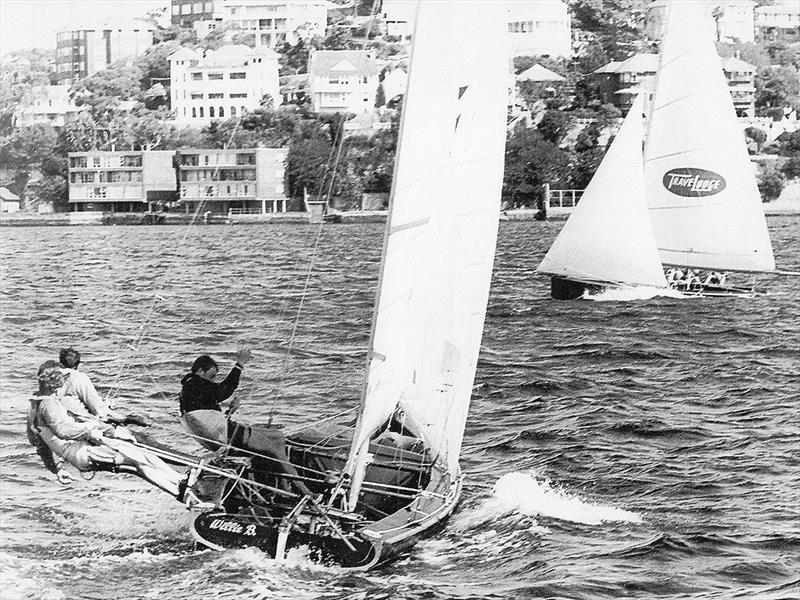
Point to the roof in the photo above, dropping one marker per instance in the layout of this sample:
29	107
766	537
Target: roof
324	62
735	64
51	99
609	68
780	8
539	73
185	53
7	196
639	63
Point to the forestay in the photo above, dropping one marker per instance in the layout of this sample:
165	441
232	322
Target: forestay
701	187
442	229
608	237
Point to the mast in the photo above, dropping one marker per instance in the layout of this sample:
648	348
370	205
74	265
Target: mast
608	238
441	231
701	188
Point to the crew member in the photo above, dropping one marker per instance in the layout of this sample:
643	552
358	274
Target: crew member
78	385
201	402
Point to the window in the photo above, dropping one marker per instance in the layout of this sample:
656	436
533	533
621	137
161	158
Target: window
246	159
201	112
197	96
86	177
189	160
96	161
215	96
197	8
209	191
233	111
78	162
211	111
265	23
197	76
214	76
221	111
131	160
194	112
243	109
238	95
236	76
97	192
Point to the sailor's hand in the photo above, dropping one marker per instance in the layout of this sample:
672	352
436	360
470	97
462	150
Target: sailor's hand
235	403
243	356
64	477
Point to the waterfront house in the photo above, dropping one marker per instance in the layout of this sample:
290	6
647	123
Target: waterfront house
9	202
342	81
47	105
134	181
243	181
83	52
221	84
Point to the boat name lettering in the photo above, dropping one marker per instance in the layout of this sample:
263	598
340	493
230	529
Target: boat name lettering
693	182
232	527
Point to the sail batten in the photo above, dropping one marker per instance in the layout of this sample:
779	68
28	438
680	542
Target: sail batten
701	187
442	230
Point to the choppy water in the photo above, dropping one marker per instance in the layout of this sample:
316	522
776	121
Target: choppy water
635	449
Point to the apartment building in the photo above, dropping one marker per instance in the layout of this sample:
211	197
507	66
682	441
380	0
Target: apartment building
50	105
244	180
539	28
778	22
221	84
342	81
121	181
728	19
83	52
621	82
276	22
186	12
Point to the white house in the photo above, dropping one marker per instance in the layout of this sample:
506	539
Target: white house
394	83
50	105
539	27
222	84
342	81
276	21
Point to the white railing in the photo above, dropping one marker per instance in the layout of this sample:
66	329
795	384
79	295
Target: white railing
561	198
244	211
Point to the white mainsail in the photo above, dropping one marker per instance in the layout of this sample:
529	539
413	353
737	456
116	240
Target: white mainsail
701	188
608	238
442	229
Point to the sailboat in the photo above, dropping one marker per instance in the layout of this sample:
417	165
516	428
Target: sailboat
701	189
696	182
608	240
396	477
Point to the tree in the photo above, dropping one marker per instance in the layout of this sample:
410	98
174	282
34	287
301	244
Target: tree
759	136
294	59
50	189
770	184
777	87
153	64
554	126
307	165
531	162
78	135
791	168
27	146
380	96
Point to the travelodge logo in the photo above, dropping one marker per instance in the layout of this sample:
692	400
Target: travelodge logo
688	181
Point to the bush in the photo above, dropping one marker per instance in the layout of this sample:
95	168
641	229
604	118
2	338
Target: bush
770	184
791	168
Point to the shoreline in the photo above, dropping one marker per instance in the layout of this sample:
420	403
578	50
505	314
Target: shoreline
74	219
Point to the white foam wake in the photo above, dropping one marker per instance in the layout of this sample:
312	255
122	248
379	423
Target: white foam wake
525	494
626	294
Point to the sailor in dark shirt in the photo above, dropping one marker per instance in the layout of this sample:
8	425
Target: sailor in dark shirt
202	415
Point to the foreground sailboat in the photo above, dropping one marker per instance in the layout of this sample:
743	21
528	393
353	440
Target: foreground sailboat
701	189
396	478
608	241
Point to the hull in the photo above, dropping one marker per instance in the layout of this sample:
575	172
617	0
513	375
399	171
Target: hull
567	289
405	498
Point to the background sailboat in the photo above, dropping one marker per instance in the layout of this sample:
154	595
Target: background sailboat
608	239
701	187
